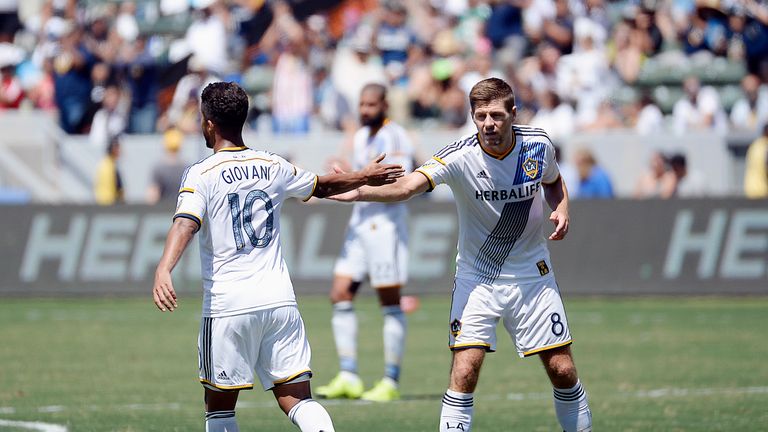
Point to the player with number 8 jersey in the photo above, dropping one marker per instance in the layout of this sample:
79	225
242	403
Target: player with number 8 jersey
503	273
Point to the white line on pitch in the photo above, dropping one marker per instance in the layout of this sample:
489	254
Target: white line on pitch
640	394
36	426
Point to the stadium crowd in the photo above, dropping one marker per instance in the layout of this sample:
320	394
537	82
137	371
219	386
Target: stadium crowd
111	67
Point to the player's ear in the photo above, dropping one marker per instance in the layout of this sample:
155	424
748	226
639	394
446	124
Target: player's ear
513	113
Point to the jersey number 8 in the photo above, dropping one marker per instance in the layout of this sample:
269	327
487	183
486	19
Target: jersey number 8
247	220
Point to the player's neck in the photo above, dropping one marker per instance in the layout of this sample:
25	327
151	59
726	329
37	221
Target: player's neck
502	148
374	129
231	142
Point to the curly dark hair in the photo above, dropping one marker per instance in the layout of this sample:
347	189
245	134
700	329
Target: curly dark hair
225	104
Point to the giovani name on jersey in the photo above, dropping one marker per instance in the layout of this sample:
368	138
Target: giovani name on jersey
247	172
517	193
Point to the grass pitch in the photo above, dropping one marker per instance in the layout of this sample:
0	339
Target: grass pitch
672	364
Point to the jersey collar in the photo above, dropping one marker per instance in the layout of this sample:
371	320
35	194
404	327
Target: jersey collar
503	155
233	149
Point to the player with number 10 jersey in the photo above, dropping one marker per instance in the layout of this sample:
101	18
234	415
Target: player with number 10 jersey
240	192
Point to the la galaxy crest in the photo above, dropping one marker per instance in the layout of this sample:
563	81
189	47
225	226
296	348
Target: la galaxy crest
455	327
531	168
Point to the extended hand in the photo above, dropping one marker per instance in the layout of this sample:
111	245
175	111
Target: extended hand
561	221
163	293
378	174
350	196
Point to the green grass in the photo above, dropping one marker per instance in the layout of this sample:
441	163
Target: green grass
672	364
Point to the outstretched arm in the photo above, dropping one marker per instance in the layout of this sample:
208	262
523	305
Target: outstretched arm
557	197
374	174
179	235
403	189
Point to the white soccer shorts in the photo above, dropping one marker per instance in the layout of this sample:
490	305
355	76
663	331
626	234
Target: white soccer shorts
271	342
532	313
375	249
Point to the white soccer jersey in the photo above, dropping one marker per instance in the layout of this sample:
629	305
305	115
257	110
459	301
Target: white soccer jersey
500	206
236	196
393	140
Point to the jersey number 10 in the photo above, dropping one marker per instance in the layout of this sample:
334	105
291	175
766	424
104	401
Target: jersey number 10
247	219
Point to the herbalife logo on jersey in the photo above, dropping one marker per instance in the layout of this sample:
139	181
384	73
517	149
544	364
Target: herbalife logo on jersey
518	193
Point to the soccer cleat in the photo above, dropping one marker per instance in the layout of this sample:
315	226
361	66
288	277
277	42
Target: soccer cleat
383	391
342	386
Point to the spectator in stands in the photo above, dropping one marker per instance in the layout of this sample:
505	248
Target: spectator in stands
108	183
292	85
452	101
644	28
354	65
126	26
394	39
755	36
756	167
504	28
141	72
700	109
649	185
678	182
187	90
649	117
583	75
42	91
558	30
11	92
708	29
541	69
554	116
9	20
111	119
594	182
751	110
626	52
604	117
72	80
166	175
206	37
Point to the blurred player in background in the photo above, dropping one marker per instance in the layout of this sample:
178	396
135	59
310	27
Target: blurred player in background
250	319
167	173
108	183
376	246
503	266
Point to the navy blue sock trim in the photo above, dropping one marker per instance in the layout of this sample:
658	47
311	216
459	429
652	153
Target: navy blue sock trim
219	414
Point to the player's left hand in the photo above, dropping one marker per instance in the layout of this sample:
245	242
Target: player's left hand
378	174
163	292
561	221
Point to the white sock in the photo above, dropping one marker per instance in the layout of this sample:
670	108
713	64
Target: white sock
220	421
310	416
344	323
456	415
394	341
572	409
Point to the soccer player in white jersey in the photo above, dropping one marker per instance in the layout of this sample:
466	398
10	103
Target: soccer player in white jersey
250	321
503	266
375	246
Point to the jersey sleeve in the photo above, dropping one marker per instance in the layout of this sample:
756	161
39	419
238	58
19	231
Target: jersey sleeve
191	203
299	183
551	172
440	168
